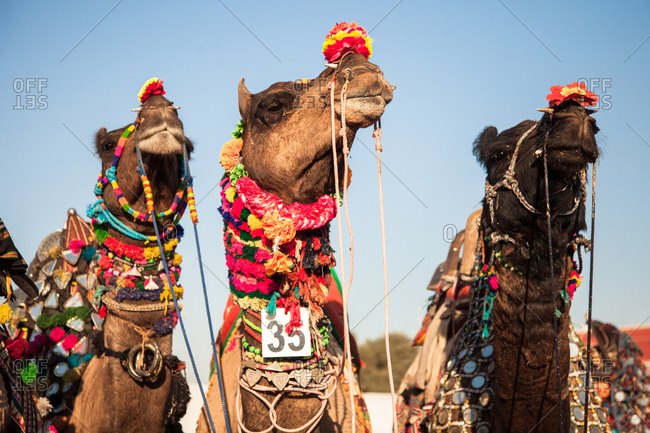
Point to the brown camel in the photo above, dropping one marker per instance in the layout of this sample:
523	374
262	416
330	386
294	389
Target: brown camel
104	361
501	372
287	151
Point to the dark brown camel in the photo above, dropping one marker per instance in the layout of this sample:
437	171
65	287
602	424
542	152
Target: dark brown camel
524	376
76	268
287	151
501	374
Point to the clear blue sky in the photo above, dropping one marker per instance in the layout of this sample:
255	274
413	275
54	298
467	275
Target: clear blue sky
458	67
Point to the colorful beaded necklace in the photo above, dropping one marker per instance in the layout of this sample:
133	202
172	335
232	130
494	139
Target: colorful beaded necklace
110	176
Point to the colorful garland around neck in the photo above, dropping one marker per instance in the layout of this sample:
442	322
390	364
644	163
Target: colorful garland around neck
278	254
135	273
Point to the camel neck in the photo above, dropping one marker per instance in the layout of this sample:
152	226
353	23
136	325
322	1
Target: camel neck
524	341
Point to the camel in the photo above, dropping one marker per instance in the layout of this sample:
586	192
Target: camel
100	329
500	372
276	233
621	378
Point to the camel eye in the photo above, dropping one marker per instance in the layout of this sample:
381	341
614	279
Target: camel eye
274	107
108	145
499	155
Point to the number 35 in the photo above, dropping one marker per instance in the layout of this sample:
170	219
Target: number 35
276	328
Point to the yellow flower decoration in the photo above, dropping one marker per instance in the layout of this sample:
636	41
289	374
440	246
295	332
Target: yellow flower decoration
254	222
230	194
166	295
177	260
6	313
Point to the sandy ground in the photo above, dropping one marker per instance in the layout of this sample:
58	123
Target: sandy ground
379	406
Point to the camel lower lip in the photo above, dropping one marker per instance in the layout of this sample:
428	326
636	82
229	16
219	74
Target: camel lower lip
364	102
163	142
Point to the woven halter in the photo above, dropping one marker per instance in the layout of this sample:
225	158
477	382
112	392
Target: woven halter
509	182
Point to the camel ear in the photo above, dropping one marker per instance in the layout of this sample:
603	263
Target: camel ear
99	138
244	99
482	144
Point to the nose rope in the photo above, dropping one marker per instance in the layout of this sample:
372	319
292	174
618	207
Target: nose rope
158	238
346	294
553	289
345	285
591	287
377	135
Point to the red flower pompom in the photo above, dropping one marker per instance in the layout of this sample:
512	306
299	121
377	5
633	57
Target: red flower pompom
344	38
69	342
16	348
575	91
57	334
153	86
105	262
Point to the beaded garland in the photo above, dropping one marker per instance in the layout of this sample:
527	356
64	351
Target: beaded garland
111	177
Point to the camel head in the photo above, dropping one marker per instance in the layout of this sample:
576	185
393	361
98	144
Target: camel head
569	133
287	134
160	137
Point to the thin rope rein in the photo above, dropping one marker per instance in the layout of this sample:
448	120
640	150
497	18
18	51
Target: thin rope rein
591	289
176	307
346	292
553	289
377	135
217	367
346	338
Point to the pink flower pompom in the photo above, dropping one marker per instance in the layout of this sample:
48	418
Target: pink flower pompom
69	342
57	334
76	245
494	282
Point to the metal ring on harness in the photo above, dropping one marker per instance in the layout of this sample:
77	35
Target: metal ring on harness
146	374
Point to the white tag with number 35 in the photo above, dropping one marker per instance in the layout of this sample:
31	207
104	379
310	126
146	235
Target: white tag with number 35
275	341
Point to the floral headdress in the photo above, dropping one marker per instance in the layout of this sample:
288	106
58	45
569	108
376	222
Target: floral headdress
153	86
575	91
345	38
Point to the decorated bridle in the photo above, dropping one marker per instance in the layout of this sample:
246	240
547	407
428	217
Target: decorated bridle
100	212
509	182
